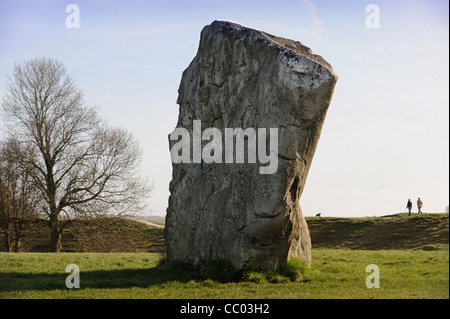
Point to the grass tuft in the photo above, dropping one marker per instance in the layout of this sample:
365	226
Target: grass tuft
293	270
254	276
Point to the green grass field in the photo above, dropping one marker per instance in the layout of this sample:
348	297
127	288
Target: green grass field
335	273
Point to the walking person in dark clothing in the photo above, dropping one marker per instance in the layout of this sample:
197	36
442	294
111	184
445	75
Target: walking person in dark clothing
409	206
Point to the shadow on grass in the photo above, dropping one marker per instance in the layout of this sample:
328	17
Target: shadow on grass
121	278
219	270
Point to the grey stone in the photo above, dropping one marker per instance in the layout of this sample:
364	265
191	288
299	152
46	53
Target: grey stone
244	78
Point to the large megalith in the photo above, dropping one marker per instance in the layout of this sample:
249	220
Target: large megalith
272	94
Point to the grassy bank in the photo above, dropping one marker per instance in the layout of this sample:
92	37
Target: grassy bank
115	234
334	274
397	231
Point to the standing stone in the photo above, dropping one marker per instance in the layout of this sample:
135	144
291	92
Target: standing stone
244	78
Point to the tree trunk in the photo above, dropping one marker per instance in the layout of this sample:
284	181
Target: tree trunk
56	240
55	233
17	244
7	233
18	234
8	242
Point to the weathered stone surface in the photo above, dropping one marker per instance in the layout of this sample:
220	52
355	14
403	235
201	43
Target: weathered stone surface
244	78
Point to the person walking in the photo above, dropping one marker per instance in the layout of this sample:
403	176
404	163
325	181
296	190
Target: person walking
419	205
409	206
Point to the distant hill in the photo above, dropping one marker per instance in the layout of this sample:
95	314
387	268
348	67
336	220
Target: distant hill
116	234
397	231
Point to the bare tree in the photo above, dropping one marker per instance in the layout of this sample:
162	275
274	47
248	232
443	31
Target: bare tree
18	201
80	165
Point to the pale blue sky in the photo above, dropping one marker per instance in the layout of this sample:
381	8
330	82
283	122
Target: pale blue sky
386	135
